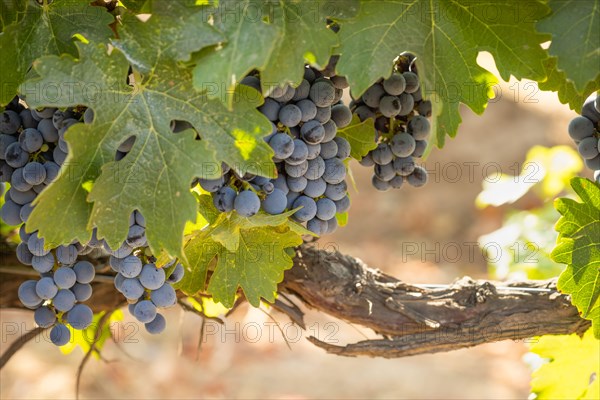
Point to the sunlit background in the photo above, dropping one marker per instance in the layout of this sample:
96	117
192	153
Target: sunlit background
426	235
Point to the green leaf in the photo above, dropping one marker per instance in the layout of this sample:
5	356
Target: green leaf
572	369
578	246
11	11
567	93
305	38
155	176
250	42
175	29
138	6
249	252
575	29
46	30
257	266
360	135
446	36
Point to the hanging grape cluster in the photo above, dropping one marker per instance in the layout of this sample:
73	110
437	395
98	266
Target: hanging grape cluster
32	152
309	156
401	126
585	131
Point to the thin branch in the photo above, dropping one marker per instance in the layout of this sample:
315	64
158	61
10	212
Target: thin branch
18	344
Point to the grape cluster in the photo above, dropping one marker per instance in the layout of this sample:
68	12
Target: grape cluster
309	156
585	131
31	155
401	126
32	149
145	286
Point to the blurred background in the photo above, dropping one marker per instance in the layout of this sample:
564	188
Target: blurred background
425	235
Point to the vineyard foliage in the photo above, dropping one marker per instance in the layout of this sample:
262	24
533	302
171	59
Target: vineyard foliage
143	64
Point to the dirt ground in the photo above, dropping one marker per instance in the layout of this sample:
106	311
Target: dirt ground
411	233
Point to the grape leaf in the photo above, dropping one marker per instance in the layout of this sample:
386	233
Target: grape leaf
305	38
155	176
567	93
11	11
175	28
138	6
250	42
446	37
573	360
360	135
256	264
578	246
45	30
575	29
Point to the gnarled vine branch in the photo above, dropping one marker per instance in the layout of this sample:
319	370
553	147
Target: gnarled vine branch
412	319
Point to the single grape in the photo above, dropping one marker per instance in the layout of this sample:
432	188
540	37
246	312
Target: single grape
316	168
211	185
130	267
340	82
323	114
315	188
308	109
296	171
59	156
6	140
131	288
80	316
43	113
593	163
385	172
123	251
344	148
309	74
35	244
157	325
27	119
407	103
390	106
317	226
64	300
23	235
420	147
177	274
418	178
44	317
364	112
290	115
21	198
15	156
588	148
367	161
224	199
313	151
404	166
136	237
247	203
322	92
329	149
296	184
330	131
412	82
419	127
48	131
282	145
397	182
424	108
379	184
287	93
312	132
43	264
300	153
332	225
302	91
164	296
65	277
291	198
308	210
46	288
23	254
31	140
17	181
382	154
335	171
326	209
60	335
34	173
373	95
270	109
11	213
395	84
82	291
589	110
84	271
343	204
336	191
66	255
151	277
341	115
144	311
28	295
9	122
25	212
402	145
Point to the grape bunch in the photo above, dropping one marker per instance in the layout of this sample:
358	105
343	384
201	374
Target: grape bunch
401	126
585	131
309	156
145	286
31	155
32	149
